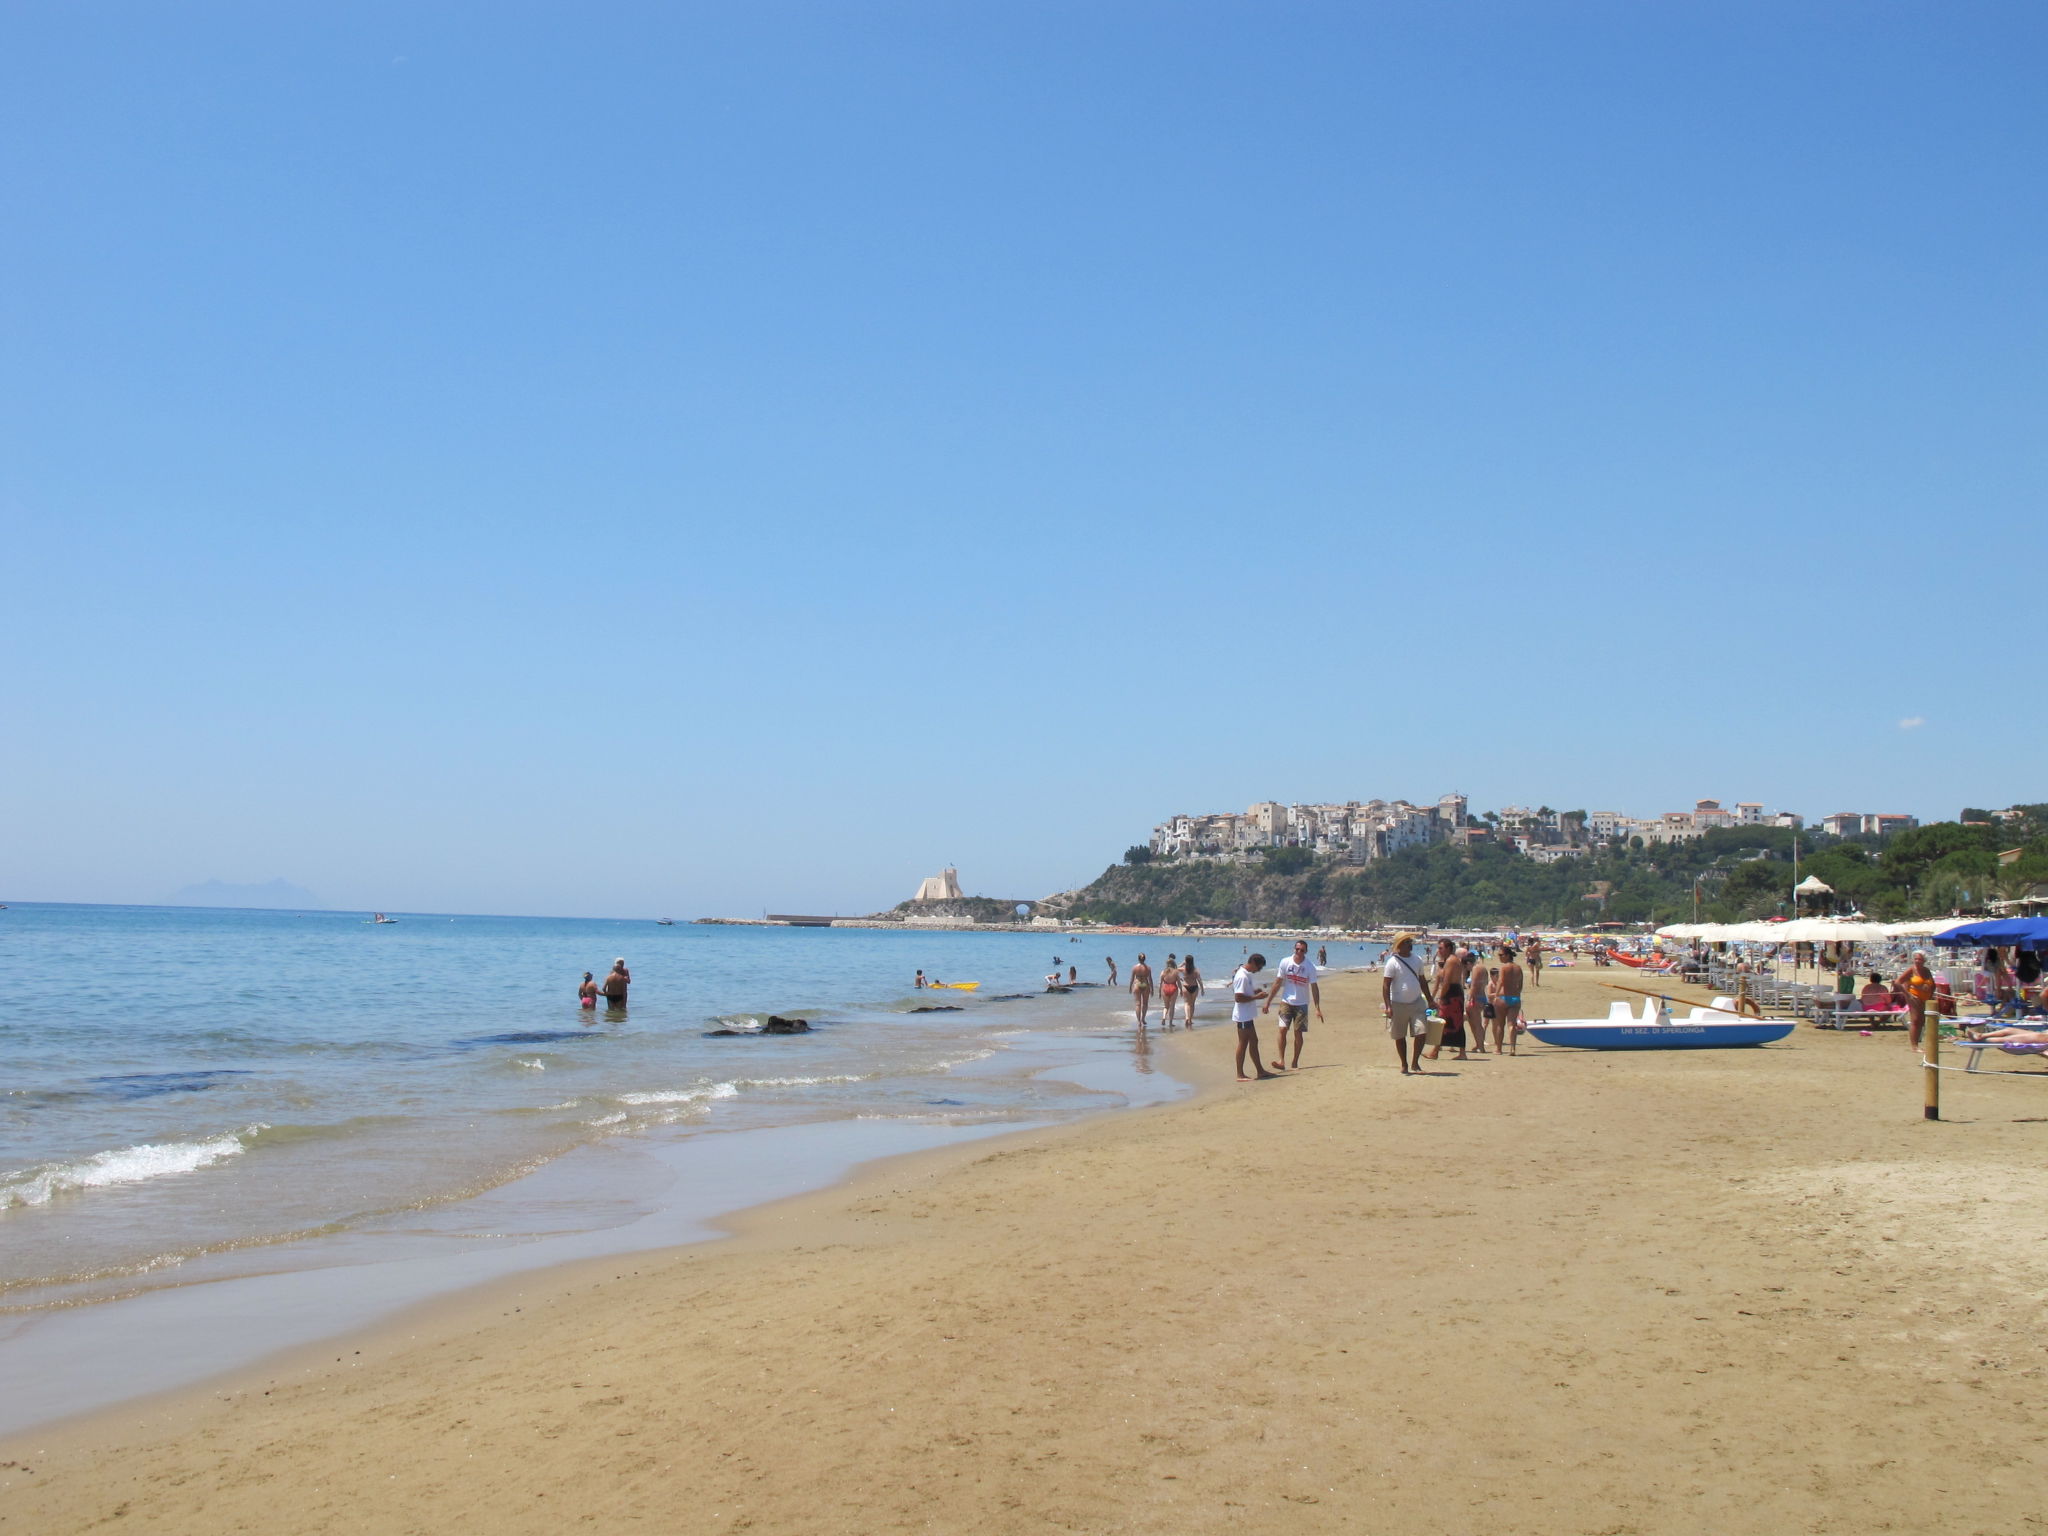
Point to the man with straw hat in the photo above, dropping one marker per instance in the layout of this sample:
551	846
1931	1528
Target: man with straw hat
1404	999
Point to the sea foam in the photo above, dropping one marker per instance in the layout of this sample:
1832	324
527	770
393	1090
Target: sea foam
121	1165
682	1095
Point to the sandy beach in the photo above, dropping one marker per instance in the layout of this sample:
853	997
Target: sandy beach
1572	1292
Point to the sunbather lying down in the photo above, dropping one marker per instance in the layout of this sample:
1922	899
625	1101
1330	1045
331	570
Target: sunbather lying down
2010	1035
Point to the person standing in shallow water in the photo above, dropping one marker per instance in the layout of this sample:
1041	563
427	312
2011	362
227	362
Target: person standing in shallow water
586	995
1190	989
616	981
1141	990
1110	961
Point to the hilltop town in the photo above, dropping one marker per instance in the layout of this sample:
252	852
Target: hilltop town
1360	832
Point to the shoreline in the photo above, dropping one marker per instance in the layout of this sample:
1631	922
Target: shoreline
709	1178
1738	1291
759	1226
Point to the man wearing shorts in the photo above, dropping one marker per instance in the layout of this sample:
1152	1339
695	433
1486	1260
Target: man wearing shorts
1449	985
1245	998
1298	988
1404	1000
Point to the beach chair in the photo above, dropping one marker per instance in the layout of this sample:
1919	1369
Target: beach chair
1977	1048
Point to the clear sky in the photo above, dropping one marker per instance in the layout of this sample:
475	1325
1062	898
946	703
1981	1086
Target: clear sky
673	458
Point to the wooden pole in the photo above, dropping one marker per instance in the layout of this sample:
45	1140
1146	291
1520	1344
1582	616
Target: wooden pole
1930	1053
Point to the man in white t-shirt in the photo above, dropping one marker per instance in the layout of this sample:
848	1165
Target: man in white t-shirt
1298	988
1246	995
1405	1000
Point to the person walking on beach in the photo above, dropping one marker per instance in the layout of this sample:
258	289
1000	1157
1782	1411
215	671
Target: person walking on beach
1404	999
1141	990
1533	952
1190	989
1507	1002
1110	961
1246	997
586	995
1169	990
1449	986
1298	987
1478	1005
1322	954
615	984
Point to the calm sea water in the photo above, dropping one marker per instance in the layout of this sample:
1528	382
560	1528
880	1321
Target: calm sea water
185	1083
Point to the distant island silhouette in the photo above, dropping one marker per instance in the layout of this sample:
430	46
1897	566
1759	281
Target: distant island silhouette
272	893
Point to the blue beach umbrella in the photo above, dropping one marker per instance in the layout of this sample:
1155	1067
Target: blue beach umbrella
2000	933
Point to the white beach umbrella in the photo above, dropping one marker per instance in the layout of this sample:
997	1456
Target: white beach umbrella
1922	928
1827	930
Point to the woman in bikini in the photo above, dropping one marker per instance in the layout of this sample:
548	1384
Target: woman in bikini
1169	989
1190	989
1507	1002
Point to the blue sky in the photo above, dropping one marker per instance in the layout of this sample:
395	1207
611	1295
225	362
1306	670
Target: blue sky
624	458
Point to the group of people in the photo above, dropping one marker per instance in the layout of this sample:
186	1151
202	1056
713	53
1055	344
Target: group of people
1297	988
1179	985
1460	992
612	989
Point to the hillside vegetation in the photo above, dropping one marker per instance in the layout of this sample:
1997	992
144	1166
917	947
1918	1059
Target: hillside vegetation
1740	873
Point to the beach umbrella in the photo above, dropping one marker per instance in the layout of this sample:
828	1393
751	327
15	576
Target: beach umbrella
1999	933
1828	930
1921	929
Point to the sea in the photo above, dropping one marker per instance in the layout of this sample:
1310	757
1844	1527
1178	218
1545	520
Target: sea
198	1105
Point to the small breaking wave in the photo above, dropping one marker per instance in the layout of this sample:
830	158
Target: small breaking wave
682	1095
801	1082
120	1165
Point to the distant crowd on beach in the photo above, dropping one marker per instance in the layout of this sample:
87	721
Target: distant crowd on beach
1428	1004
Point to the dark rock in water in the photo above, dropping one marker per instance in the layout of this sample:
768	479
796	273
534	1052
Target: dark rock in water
713	1034
947	1008
777	1025
1010	997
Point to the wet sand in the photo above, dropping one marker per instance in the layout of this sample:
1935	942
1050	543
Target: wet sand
1729	1291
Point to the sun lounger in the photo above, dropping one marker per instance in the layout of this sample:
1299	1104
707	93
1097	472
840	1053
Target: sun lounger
1977	1048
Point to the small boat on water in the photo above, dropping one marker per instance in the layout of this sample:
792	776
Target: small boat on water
379	917
1658	1029
666	922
